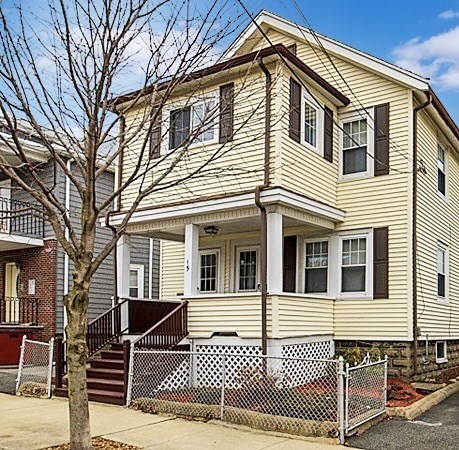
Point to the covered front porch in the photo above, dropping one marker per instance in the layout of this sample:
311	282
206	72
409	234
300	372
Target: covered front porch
212	256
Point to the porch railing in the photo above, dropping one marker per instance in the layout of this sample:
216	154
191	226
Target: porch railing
168	332
21	218
105	329
19	310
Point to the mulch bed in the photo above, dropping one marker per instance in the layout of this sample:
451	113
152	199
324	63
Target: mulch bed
99	444
401	393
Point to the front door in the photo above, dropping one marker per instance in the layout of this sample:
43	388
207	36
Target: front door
289	261
11	292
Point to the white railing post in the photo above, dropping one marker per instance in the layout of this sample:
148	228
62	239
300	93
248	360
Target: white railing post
222	401
21	363
50	368
130	376
386	361
341	399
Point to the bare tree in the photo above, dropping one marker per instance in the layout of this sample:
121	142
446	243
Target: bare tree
62	72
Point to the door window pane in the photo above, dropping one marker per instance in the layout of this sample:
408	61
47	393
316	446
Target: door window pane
133	283
208	276
247	270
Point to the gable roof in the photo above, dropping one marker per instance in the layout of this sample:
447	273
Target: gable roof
268	19
278	50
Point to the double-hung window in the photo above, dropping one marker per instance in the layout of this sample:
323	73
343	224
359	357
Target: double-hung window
136	280
196	122
442	272
441	163
310	124
355	139
316	276
247	278
354	265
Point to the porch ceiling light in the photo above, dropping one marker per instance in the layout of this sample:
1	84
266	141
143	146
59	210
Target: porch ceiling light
211	230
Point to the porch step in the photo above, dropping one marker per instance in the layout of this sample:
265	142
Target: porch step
97	395
107	363
105	385
107	374
111	354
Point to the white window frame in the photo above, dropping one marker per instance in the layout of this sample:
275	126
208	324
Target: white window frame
304	267
307	98
218	275
191	103
443	248
444	169
368	293
441	359
353	116
140	269
238	250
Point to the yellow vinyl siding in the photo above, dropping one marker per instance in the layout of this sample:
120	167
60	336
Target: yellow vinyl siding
171	270
438	222
235	167
304	316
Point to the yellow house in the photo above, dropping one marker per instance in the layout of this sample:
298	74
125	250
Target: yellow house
322	210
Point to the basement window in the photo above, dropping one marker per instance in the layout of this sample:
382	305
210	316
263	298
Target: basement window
440	352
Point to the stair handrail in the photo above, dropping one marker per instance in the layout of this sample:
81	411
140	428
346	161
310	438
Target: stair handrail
109	335
182	309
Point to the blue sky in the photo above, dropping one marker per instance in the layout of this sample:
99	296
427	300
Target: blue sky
420	35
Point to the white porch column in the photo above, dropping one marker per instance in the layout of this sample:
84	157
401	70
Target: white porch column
123	261
191	278
275	252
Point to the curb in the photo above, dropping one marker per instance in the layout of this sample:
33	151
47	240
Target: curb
421	406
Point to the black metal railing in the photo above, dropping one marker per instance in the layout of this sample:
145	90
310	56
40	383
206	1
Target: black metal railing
15	310
22	218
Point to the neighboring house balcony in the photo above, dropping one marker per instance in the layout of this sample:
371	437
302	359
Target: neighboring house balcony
220	262
21	224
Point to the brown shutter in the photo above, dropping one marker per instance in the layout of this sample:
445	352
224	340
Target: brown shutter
155	133
328	134
381	262
289	260
381	134
226	113
292	49
295	110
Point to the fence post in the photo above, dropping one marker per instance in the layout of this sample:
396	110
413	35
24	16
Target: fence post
21	363
341	399
130	377
59	360
126	365
50	368
222	401
386	361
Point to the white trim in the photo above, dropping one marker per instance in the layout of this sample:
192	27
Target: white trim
140	269
445	358
371	62
150	269
353	116
270	196
320	114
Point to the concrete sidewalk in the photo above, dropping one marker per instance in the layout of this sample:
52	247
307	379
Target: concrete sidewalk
28	424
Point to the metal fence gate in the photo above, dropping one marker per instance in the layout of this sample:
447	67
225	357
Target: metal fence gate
35	367
366	392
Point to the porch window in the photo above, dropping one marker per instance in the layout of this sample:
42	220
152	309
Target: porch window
353	264
441	272
316	277
208	270
247	276
136	280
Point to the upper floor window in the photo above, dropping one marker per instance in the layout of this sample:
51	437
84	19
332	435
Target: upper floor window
316	277
310	125
354	264
441	163
442	272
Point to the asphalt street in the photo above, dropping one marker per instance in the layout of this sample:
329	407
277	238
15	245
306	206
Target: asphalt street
437	429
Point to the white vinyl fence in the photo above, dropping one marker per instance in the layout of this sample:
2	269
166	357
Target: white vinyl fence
35	367
294	395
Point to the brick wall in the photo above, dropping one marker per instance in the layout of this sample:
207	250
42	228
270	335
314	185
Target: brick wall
39	264
401	362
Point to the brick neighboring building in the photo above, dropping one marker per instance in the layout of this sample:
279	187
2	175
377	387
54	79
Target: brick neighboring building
35	272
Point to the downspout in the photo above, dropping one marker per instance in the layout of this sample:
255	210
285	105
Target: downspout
263	214
415	231
115	258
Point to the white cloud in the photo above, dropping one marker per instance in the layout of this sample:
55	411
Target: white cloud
436	57
449	14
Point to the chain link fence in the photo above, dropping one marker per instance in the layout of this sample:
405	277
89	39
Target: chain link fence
366	392
35	368
293	395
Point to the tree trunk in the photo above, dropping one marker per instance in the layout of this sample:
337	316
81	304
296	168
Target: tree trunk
76	303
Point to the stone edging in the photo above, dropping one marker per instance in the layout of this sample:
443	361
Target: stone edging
421	406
